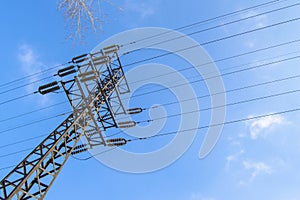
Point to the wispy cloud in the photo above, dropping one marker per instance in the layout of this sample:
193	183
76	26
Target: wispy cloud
31	64
261	127
29	60
257	168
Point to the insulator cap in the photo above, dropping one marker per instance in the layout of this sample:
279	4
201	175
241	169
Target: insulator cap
66	71
111	49
116	142
132	111
79	151
50	87
80	147
127	124
79	59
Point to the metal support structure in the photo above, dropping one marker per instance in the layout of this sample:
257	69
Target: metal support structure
90	94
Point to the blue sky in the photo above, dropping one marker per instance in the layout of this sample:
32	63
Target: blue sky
257	159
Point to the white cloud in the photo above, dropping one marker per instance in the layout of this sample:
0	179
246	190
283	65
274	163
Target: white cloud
257	168
141	8
31	64
261	127
29	60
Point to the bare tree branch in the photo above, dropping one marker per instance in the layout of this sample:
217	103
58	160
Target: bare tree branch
81	15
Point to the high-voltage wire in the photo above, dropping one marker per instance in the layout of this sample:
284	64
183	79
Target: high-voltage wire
22	141
221	25
34	122
16	98
204	64
187	68
223	70
183	27
220	124
24	85
220	17
205	43
174	115
222	59
34	74
30	94
33	111
210	108
275	62
222	106
199	128
40	136
212	77
162	89
16	152
211	41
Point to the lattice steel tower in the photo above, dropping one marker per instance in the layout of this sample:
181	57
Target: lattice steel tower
94	94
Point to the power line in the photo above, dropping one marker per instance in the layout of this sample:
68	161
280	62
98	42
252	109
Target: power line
225	24
183	27
210	108
13	166
199	128
226	105
224	59
226	69
27	84
174	115
22	141
183	69
34	122
34	74
208	20
221	75
219	124
210	42
146	93
40	136
16	98
253	16
14	153
30	112
250	68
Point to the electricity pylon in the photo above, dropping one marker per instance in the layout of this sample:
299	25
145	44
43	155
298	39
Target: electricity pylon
94	94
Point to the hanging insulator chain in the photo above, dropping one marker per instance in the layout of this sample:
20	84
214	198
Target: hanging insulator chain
66	71
116	142
111	49
82	146
79	151
132	111
50	87
79	59
127	124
